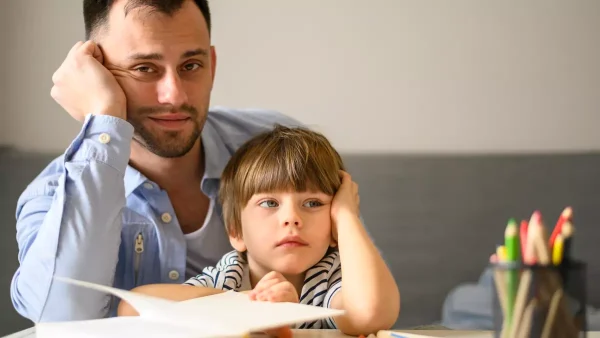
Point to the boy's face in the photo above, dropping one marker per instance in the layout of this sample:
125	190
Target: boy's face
287	232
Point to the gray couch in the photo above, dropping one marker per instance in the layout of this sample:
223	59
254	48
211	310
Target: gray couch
436	219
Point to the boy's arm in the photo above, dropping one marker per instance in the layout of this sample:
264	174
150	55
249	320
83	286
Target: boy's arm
209	282
175	292
369	295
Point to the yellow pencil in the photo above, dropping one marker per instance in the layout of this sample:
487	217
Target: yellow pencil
501	253
557	250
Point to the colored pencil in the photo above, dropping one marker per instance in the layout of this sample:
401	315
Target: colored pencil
567	233
557	250
520	302
501	253
566	215
532	233
526	324
511	240
523	234
550	318
541	244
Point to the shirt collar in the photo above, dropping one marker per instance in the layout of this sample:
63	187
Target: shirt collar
133	179
216	156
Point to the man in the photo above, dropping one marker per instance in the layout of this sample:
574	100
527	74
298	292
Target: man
132	200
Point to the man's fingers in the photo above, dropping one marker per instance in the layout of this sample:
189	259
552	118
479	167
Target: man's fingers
75	47
91	48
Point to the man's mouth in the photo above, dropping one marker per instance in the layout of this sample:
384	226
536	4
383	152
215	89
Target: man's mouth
171	121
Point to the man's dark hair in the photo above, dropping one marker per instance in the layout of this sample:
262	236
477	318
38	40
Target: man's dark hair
95	12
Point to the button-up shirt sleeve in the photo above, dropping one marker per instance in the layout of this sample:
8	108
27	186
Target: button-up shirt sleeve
69	224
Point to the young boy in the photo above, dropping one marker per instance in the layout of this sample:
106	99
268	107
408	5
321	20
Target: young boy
292	216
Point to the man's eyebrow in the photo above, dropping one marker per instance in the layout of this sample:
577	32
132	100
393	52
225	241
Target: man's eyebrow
195	52
158	56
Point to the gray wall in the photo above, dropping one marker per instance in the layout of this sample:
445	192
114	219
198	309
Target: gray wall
422	76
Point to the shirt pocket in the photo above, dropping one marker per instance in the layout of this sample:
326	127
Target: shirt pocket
136	256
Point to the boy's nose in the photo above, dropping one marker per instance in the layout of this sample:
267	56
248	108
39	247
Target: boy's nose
296	223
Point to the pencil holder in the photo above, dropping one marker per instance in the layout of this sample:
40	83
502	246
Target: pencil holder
534	301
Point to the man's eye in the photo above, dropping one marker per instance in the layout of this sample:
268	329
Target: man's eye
268	204
191	66
144	69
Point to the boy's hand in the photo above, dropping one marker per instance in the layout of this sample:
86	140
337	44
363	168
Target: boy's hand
273	287
345	202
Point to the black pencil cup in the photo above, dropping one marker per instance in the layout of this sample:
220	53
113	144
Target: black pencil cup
534	301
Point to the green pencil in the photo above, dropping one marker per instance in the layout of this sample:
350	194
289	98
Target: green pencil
512	245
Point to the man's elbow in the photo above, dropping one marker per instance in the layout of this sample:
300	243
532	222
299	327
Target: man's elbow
28	302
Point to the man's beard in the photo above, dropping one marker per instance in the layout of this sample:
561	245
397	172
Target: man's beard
169	144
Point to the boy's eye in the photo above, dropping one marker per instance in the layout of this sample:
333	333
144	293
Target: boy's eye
268	204
313	204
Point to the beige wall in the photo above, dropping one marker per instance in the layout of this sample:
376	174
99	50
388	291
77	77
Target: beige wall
377	75
4	123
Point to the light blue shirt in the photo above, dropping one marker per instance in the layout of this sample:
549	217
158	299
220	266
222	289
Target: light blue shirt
92	217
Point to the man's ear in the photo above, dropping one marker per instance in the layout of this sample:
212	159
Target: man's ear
213	62
237	242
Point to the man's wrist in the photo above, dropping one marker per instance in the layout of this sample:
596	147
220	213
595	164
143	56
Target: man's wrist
114	111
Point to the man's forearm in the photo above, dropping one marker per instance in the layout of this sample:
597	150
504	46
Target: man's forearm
70	226
369	293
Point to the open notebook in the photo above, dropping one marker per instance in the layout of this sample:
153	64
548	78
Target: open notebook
229	314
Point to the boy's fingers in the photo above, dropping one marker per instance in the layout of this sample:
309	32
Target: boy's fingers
262	286
281	332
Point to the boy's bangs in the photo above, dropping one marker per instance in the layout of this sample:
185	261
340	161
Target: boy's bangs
288	168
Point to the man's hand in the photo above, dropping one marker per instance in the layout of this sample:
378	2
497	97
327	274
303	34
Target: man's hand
82	85
345	203
273	287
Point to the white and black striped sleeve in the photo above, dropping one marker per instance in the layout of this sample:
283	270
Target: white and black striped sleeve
334	285
227	275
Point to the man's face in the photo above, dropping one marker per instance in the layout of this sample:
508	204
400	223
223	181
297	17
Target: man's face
165	65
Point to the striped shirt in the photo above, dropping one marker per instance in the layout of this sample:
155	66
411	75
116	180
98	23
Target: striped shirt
321	282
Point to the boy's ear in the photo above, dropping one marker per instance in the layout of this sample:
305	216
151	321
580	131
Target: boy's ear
237	243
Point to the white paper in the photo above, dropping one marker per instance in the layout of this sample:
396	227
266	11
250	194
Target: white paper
229	314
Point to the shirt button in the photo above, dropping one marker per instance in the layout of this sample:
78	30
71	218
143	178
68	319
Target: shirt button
166	217
173	275
104	138
148	185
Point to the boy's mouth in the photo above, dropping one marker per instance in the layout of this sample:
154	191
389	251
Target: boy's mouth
291	241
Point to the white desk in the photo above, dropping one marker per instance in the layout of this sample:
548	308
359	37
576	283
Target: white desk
30	333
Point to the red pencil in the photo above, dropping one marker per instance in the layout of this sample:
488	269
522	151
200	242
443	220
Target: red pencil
523	234
566	215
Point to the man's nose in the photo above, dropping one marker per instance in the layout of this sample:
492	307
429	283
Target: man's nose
171	91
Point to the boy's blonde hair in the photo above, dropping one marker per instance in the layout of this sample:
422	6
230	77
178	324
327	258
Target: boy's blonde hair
283	159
